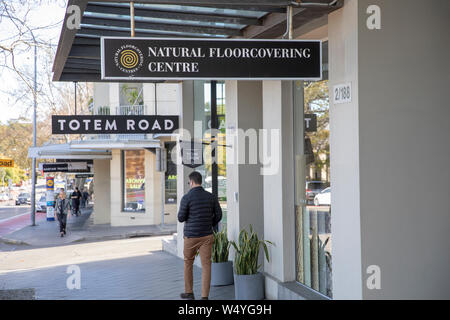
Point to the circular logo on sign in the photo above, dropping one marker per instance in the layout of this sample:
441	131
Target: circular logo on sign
129	58
50	183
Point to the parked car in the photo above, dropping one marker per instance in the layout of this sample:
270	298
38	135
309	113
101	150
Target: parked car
221	185
313	188
323	198
41	205
23	198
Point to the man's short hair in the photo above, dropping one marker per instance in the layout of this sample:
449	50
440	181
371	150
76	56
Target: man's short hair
196	177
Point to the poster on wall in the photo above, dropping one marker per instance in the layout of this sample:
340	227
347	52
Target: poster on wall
50	198
125	58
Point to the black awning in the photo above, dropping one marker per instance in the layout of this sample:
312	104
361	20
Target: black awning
78	53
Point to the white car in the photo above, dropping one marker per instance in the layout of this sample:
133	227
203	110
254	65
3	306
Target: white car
4	197
41	205
323	198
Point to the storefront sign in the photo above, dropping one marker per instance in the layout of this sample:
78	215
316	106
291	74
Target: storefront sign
182	59
6	163
64	167
310	122
81	176
191	154
113	124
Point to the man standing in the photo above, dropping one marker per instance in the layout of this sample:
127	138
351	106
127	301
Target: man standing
200	211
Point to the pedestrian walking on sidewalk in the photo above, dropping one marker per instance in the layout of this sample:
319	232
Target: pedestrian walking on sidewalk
200	211
85	198
76	199
62	210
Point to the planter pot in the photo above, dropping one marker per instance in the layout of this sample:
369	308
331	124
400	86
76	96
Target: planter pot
249	287
222	273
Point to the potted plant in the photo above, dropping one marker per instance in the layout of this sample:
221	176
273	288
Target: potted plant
248	282
221	268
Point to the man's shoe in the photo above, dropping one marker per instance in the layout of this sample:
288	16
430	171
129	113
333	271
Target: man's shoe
205	298
187	296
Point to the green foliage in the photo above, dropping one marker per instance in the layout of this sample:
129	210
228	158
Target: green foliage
15	174
247	252
221	246
132	95
322	251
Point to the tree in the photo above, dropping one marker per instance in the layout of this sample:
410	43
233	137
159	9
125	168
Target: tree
18	39
317	101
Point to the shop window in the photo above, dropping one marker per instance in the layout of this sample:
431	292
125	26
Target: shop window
202	114
313	214
170	176
133	180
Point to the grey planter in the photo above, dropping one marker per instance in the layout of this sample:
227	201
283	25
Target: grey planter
249	287
222	273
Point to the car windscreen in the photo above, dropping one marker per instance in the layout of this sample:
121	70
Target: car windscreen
316	185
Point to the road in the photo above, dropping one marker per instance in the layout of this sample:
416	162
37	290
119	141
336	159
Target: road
7	212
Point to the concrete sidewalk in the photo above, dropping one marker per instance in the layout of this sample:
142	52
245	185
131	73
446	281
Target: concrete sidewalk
81	228
117	269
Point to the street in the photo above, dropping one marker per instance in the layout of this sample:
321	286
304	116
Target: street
7	212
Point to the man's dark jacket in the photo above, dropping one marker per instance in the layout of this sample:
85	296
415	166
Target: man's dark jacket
200	211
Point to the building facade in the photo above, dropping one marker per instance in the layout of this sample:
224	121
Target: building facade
383	110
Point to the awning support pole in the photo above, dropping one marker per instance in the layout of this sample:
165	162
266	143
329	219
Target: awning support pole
132	18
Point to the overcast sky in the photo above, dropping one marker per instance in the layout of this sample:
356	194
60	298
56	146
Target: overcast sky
48	13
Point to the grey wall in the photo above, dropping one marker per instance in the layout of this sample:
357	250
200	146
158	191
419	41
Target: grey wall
243	111
404	131
344	150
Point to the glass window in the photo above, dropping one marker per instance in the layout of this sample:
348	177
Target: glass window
170	176
202	115
134	180
313	214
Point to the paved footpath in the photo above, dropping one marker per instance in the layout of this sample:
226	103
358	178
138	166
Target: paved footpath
114	262
81	228
117	269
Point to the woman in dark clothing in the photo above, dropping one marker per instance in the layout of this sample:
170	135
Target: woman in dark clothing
62	209
76	198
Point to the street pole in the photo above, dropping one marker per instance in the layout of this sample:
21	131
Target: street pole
132	22
33	167
75	87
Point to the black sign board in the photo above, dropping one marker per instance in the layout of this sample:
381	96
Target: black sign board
88	161
182	59
310	122
64	167
191	154
86	175
113	124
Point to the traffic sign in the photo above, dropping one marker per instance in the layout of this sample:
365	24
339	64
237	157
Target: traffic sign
6	163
